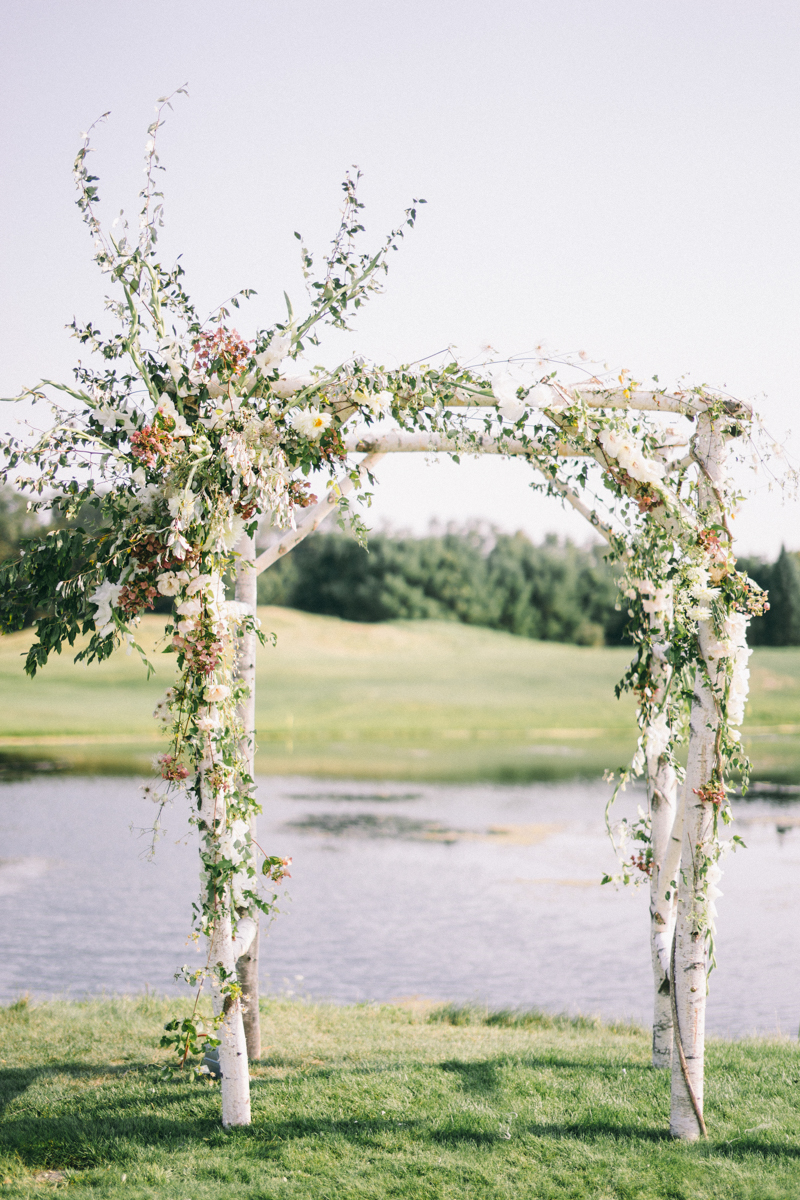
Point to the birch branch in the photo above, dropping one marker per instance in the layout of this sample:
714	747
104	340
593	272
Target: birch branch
398	441
315	516
596	396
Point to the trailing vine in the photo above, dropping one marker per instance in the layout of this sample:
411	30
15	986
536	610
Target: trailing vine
185	436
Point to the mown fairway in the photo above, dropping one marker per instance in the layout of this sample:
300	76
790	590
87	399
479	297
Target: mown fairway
405	700
353	1103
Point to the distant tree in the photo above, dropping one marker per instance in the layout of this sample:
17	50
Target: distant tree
556	591
16	522
784	611
780	625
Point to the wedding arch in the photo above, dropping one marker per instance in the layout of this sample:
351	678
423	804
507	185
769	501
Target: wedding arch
186	436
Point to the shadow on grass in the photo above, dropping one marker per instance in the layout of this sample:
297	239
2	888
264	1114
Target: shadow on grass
106	1125
480	1077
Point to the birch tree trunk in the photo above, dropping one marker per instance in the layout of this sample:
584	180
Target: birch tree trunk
247	964
233	1047
223	952
689	953
689	970
665	837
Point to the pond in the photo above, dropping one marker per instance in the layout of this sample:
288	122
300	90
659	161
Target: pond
480	893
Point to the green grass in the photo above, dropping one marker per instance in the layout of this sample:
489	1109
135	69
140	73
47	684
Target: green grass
385	1102
404	700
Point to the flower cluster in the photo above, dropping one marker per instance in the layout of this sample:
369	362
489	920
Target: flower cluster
185	437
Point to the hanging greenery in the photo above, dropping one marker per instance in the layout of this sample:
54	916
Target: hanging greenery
186	436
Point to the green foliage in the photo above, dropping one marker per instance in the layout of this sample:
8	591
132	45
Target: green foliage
375	1102
780	625
553	592
16	522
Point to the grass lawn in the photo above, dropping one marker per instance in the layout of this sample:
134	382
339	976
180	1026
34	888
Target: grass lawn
385	1102
404	700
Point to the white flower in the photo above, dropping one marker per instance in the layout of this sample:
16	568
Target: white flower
509	405
658	737
222	412
178	544
612	441
168	583
232	531
191	607
104	598
645	470
214	388
197	584
630	456
184	507
377	403
661	601
107	416
541	396
215	692
275	352
208	719
169	412
229	849
196	381
239	884
171	352
309	422
139	477
287	385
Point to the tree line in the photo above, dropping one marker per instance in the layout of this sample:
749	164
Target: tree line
555	591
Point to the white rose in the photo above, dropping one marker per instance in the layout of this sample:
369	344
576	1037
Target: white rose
216	692
168	583
208	720
620	444
541	396
190	608
645	470
198	583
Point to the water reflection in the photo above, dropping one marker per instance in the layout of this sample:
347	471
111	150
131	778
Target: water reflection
484	893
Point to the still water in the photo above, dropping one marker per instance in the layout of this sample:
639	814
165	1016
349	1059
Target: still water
482	893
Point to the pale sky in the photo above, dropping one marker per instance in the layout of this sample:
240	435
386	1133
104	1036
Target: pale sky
618	177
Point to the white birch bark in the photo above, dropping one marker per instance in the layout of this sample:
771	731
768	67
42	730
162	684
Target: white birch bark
247	958
222	952
689	951
662	786
233	1046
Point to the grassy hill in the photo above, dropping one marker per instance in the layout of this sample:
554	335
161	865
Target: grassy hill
403	700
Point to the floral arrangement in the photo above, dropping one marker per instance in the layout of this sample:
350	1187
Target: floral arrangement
185	436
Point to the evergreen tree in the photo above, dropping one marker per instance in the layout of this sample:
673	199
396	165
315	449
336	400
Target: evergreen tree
784	610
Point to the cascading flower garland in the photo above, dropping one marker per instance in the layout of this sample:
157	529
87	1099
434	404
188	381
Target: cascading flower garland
185	438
